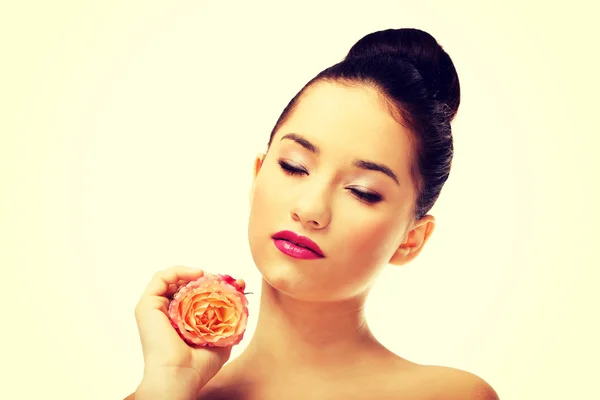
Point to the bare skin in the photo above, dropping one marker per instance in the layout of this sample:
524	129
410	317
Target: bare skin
332	364
312	340
379	375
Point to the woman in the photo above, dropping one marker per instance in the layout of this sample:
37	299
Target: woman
354	163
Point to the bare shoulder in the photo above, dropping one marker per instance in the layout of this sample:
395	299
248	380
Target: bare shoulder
447	383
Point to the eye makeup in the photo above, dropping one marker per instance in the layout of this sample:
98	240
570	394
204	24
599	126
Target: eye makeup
362	195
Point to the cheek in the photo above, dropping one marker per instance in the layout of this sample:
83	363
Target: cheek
266	206
265	194
371	241
258	225
364	249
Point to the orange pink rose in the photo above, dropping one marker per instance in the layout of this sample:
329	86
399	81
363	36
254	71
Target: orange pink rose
210	311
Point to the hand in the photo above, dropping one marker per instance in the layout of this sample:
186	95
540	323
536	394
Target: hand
169	362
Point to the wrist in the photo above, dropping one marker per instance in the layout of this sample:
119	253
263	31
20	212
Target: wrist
167	383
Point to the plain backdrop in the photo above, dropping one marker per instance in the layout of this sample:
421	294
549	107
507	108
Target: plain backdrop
128	131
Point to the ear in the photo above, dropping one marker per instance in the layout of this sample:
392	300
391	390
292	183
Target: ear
258	161
414	241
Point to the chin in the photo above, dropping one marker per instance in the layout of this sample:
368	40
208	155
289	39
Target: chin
294	278
285	277
281	276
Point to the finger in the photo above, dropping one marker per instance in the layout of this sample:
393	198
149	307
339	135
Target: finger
171	290
159	285
148	303
241	283
174	287
155	329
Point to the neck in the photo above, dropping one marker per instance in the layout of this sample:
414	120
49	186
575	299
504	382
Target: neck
293	335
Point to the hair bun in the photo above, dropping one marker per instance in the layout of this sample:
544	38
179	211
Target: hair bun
421	50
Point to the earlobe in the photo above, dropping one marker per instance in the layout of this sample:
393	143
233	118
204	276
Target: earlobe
414	242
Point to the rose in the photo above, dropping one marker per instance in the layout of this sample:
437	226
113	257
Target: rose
210	311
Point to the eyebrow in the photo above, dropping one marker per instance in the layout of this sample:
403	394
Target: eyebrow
363	164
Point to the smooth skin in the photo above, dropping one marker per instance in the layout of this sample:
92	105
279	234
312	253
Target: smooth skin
312	340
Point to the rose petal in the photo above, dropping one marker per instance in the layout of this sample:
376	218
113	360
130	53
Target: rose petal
211	311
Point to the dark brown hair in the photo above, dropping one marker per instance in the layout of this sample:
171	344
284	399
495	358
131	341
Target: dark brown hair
418	80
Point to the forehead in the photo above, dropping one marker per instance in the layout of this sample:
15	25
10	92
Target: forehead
351	121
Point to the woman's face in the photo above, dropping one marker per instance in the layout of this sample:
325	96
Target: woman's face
319	179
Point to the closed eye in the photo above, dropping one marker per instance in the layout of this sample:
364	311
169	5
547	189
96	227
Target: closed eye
366	196
363	196
290	170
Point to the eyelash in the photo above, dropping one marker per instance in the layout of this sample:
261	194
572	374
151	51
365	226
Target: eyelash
370	198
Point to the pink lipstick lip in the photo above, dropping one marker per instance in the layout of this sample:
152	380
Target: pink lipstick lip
295	251
299	240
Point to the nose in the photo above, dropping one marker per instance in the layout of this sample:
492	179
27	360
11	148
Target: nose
312	210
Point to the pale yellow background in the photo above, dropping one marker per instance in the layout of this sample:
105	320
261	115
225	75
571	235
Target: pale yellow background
128	130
